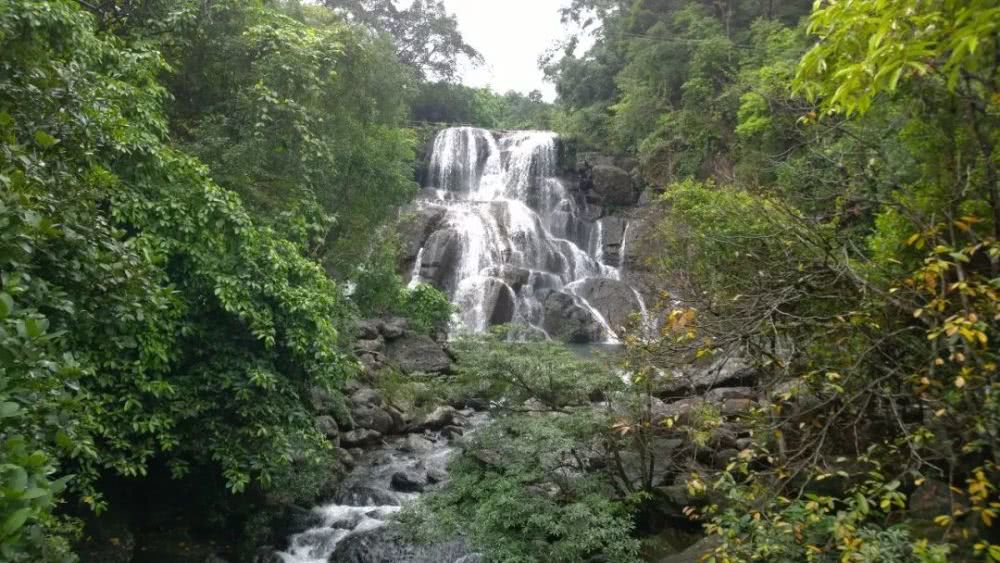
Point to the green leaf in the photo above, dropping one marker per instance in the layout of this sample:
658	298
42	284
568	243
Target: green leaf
6	305
14	522
35	327
44	140
9	409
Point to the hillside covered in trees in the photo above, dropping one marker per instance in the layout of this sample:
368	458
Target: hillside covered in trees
206	325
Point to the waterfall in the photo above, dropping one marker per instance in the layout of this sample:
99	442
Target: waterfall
415	275
513	234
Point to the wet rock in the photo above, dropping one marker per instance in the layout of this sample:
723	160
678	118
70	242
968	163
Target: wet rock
500	303
328	427
680	410
373	346
474	558
409	481
414	228
416	444
359	495
385	545
725	393
718	372
613	298
344	457
368	329
613	185
416	353
567	321
436	475
360	437
452	432
736	407
395	327
438	419
441	254
373	418
367	397
398	420
333	404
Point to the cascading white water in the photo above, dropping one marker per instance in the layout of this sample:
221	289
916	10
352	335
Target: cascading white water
513	233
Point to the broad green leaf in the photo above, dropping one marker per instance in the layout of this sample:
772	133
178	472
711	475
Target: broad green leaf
45	140
14	522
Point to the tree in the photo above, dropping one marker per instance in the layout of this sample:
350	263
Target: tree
426	36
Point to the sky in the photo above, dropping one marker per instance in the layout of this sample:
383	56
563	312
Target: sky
510	40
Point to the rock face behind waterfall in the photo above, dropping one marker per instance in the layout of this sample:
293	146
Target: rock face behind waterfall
513	237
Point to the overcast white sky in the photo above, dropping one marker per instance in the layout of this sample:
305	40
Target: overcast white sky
511	35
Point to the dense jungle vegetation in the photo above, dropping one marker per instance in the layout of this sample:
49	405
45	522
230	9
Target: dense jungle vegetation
197	202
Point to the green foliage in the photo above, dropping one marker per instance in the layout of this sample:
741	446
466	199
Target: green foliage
303	120
145	314
444	102
523	489
512	494
427	307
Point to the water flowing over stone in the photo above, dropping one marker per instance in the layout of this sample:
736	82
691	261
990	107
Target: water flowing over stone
512	234
353	526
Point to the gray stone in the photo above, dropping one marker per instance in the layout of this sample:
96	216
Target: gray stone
344	457
367	396
328	427
416	353
716	372
360	495
441	253
438	419
566	321
614	299
452	432
737	407
360	437
373	418
724	393
369	346
415	226
613	184
416	444
368	329
436	475
395	327
408	481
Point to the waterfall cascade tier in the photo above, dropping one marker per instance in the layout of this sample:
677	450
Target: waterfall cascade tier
512	242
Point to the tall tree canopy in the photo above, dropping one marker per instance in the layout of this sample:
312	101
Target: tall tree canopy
426	36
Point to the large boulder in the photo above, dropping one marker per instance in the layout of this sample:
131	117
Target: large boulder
567	321
723	370
386	545
374	418
439	261
613	185
439	418
408	481
415	226
416	353
328	427
612	235
614	299
360	438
